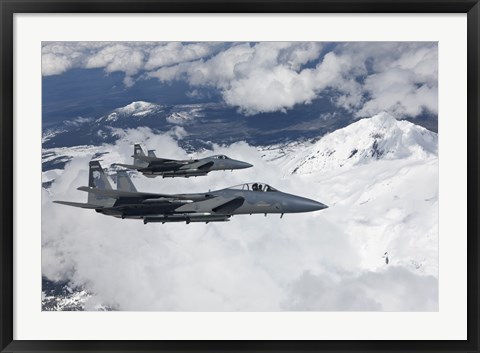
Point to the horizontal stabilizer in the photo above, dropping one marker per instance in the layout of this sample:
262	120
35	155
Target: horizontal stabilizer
78	204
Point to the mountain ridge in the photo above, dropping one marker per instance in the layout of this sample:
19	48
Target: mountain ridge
381	137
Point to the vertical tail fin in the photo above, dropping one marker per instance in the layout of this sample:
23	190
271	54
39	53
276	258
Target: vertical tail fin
124	183
98	179
151	153
138	151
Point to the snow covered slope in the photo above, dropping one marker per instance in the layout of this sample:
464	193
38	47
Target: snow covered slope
380	178
381	137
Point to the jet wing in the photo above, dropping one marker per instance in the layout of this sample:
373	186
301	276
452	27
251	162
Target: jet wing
78	204
218	204
229	206
171	165
150	159
168	163
205	166
155	160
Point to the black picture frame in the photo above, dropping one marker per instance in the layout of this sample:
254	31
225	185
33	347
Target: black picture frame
9	7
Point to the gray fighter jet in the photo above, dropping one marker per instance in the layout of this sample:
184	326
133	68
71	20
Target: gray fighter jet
211	206
152	166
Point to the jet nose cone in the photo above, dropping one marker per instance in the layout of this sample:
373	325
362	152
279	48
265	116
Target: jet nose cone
301	204
311	205
320	206
243	165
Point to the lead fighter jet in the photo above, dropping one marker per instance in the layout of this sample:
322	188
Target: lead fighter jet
152	166
212	206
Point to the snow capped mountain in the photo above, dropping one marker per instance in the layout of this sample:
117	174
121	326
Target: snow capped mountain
381	137
379	177
139	107
134	109
185	115
203	122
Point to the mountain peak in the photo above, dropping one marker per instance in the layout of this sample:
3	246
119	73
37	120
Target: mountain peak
379	137
383	118
134	109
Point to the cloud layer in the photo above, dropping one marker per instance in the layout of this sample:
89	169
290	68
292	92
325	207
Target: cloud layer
362	77
252	263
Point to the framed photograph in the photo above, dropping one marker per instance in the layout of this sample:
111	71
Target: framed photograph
239	176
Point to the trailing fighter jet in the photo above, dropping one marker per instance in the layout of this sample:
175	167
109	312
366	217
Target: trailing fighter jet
211	206
152	166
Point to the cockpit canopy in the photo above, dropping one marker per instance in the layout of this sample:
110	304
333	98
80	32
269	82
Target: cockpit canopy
220	156
262	187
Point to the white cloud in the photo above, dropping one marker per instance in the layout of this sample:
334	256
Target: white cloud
366	77
397	92
117	57
58	57
78	121
393	289
217	71
252	263
400	78
127	57
269	90
403	79
175	52
55	64
259	78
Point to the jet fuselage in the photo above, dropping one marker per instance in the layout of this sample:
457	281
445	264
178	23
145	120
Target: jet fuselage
192	168
224	202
